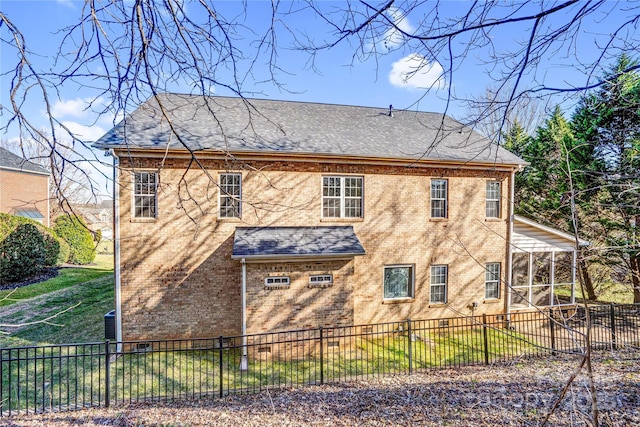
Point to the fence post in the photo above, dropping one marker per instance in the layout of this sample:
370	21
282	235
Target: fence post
410	349
2	381
321	358
220	364
486	341
552	331
107	385
612	313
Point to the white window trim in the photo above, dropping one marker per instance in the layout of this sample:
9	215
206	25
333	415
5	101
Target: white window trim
321	280
446	283
342	198
498	200
277	281
220	196
432	199
412	282
134	195
497	281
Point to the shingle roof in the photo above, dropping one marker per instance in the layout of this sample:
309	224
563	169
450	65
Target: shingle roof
295	242
285	127
9	160
32	213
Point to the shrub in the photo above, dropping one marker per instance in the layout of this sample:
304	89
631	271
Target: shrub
64	253
22	253
74	231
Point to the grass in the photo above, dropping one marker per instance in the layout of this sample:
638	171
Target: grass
63	377
610	292
78	298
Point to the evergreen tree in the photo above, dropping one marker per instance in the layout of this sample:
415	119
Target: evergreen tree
607	122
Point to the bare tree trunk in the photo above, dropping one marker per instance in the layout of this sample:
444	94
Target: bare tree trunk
586	279
635	278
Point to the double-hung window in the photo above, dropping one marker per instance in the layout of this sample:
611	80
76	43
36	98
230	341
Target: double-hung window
439	280
342	196
438	198
493	199
145	195
398	281
230	195
492	281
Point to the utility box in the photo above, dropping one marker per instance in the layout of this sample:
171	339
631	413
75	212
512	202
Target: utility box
110	325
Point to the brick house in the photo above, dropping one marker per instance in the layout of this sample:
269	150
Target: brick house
255	215
24	188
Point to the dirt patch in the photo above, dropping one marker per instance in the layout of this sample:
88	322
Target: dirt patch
516	394
44	274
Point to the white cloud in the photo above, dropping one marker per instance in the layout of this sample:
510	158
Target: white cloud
414	71
84	133
393	37
68	3
71	108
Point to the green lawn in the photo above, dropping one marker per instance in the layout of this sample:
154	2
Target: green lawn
74	303
611	292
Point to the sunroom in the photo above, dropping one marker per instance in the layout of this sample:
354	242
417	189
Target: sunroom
543	268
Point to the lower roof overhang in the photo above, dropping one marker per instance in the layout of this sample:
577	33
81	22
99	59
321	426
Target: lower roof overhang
294	244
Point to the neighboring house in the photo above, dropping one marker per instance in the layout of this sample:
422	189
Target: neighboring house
260	215
97	216
24	188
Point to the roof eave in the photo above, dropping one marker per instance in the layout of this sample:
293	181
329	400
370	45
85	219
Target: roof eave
309	157
10	169
297	257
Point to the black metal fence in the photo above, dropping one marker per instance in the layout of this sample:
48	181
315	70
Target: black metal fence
67	377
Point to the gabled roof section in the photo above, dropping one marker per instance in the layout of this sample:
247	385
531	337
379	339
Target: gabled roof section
290	243
530	236
11	161
235	125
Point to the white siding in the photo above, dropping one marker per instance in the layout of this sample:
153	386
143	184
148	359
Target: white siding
527	238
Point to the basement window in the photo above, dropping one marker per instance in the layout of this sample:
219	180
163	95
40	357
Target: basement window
277	282
320	280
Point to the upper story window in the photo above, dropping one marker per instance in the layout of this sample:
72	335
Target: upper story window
342	196
439	279
398	281
492	281
145	195
493	199
438	198
230	195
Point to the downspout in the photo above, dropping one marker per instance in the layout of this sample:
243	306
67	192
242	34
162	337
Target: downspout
48	224
510	241
116	249
244	362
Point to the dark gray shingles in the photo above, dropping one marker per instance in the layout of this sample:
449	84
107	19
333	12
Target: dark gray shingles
285	127
13	161
284	242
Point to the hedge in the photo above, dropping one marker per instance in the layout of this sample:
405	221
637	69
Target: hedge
26	247
74	231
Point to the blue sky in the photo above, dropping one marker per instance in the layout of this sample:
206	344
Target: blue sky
338	75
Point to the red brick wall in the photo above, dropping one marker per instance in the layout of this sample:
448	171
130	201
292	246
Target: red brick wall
24	190
178	279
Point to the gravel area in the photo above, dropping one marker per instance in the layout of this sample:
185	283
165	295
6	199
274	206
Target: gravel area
518	394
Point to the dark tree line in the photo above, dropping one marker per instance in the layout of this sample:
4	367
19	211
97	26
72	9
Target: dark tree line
587	168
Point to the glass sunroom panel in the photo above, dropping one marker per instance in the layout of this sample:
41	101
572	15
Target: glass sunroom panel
520	297
520	273
563	272
562	294
541	296
541	268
